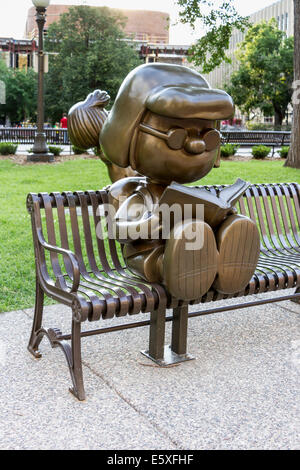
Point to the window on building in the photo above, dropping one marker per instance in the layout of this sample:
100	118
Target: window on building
286	21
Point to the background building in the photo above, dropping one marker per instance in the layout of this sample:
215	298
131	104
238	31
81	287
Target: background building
141	25
17	53
147	29
282	11
167	53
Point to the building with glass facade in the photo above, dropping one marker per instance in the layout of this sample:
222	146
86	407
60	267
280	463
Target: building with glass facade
282	11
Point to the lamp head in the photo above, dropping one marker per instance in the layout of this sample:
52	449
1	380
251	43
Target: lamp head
41	3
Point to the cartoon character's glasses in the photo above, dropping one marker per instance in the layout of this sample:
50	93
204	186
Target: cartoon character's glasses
174	138
178	138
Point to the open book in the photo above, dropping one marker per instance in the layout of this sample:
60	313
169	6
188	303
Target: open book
216	206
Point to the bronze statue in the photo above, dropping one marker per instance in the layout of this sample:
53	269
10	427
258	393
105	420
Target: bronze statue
164	126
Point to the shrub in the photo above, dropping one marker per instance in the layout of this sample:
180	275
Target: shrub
260	151
97	151
77	150
229	149
264	126
283	152
55	150
259	126
8	148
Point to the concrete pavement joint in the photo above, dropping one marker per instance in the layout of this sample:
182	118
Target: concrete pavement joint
27	314
128	402
288	309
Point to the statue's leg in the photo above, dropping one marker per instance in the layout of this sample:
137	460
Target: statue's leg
145	262
190	267
238	243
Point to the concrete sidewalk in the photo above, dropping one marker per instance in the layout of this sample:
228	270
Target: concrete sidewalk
24	148
242	391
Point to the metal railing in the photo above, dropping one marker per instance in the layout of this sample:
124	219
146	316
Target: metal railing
26	135
60	136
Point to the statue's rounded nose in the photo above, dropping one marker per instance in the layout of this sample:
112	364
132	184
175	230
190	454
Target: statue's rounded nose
195	145
208	140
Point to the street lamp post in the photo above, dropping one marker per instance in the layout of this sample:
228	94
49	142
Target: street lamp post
40	148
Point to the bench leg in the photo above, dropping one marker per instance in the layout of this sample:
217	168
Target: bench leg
72	352
178	348
179	330
36	337
176	352
297	301
75	364
156	336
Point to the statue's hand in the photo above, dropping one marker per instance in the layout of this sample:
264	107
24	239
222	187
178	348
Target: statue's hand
136	220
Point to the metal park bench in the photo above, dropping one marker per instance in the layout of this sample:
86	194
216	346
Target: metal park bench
250	138
86	272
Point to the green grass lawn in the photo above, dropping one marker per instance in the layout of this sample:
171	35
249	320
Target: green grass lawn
16	253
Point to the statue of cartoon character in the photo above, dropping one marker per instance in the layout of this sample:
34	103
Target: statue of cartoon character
164	126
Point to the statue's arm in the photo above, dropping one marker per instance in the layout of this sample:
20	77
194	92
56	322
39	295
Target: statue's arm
136	220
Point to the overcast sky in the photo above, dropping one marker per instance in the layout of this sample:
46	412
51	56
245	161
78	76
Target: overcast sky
13	13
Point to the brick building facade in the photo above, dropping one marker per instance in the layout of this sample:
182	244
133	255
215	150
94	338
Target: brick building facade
141	25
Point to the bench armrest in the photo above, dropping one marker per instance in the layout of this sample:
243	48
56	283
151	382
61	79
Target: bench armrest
63	251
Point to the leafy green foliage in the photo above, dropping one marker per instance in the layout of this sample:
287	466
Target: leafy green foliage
97	151
265	126
21	93
55	150
217	19
89	52
265	75
8	148
228	150
77	150
260	151
283	152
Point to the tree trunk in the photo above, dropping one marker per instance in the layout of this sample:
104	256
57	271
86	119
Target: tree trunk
278	120
293	159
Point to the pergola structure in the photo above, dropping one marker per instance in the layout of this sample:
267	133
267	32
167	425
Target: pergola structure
169	53
17	53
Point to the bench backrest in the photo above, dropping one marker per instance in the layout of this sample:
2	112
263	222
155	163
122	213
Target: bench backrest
257	137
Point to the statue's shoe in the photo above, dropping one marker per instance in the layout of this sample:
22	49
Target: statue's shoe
238	244
190	266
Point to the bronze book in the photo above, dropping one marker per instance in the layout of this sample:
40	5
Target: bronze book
216	206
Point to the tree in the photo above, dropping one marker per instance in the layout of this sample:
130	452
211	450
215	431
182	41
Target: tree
210	50
293	159
265	75
21	100
217	19
89	52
